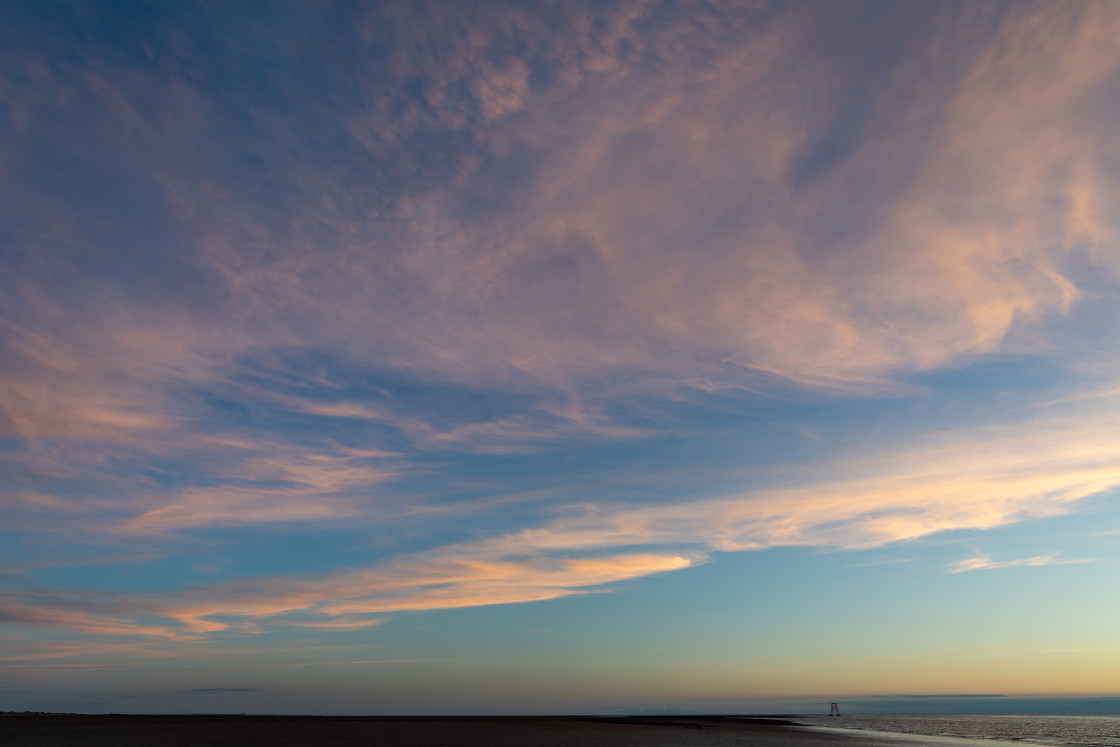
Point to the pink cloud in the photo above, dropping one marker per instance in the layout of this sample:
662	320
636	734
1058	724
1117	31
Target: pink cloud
18	613
659	243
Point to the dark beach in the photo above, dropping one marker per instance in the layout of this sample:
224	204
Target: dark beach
55	730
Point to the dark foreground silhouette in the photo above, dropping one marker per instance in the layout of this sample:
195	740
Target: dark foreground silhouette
55	730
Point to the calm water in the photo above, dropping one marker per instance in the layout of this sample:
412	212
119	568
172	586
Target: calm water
1067	731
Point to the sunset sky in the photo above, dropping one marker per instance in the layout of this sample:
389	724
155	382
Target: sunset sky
538	357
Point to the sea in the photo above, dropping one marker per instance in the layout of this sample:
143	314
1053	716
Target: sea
1063	731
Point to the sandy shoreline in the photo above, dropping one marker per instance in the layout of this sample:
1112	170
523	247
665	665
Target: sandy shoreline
52	730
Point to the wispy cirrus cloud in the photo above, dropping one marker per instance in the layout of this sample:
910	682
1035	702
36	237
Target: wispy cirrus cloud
251	287
454	578
972	480
338	623
615	257
983	563
66	616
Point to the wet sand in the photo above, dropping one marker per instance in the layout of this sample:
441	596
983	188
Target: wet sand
52	730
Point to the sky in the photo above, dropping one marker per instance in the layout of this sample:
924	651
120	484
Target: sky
559	357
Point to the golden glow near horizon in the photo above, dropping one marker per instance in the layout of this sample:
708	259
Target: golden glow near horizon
494	357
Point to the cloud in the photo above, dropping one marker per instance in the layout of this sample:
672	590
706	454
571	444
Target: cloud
455	578
61	616
984	563
973	479
273	482
365	661
976	479
338	623
40	652
880	561
226	506
658	209
266	302
616	256
546	426
579	238
237	480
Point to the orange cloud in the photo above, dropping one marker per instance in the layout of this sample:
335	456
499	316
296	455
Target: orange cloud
975	479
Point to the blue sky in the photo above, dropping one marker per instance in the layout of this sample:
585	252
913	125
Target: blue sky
557	357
